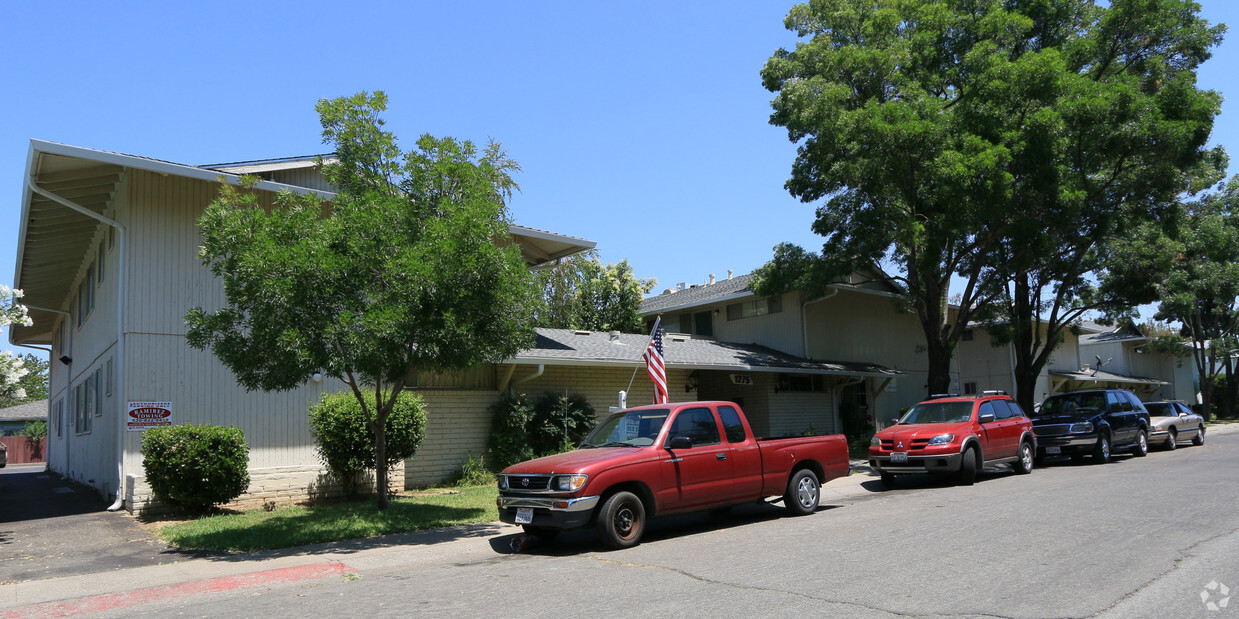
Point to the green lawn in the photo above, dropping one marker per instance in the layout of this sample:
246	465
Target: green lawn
296	526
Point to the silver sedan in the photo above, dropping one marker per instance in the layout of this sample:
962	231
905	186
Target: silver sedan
1172	421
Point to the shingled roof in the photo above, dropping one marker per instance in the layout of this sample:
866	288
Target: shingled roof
733	288
591	348
30	411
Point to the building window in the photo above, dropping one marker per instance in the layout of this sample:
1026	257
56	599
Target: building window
86	296
99	266
970	388
57	416
801	382
98	388
966	335
108	384
756	307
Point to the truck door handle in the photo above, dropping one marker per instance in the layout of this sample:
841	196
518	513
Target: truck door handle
720	456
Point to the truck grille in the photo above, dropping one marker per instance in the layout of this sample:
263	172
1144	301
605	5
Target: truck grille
529	482
1052	430
917	443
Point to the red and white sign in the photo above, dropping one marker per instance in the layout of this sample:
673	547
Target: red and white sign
146	415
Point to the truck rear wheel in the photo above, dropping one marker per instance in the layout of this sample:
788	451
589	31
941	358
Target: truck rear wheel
803	493
621	520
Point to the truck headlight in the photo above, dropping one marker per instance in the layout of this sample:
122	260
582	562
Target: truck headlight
941	439
570	483
1082	428
876	442
503	482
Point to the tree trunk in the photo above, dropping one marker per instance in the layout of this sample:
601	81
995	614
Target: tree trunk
939	375
380	456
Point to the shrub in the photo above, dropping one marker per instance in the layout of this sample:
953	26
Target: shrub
508	443
473	472
196	467
552	423
345	442
36	431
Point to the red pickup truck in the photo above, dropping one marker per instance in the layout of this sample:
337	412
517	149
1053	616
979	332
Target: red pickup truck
651	461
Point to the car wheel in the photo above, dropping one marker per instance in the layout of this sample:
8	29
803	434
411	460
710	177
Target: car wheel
1172	441
1024	464
888	479
803	493
1101	451
621	520
968	467
545	533
1142	444
1199	439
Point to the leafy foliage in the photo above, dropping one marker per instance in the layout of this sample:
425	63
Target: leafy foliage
1201	288
345	442
12	369
473	472
1009	144
410	268
33	383
552	423
196	467
582	293
36	431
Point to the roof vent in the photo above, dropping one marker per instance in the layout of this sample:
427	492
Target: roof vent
711	279
728	273
580	332
681	286
679	337
613	335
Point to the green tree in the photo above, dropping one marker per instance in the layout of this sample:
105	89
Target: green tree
1201	289
33	383
583	293
409	268
12	370
1005	143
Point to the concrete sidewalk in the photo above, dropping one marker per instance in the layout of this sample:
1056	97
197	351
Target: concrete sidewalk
119	588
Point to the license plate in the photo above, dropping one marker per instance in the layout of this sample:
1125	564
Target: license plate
1053	450
899	456
524	515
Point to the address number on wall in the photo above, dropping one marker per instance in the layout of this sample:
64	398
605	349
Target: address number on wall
742	379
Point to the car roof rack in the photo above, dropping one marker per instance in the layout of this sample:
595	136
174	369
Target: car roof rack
937	396
994	392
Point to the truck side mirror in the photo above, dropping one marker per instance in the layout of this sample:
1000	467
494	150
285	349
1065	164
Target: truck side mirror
681	442
986	418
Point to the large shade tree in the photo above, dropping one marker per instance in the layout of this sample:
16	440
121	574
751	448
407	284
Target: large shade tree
977	141
1202	289
407	269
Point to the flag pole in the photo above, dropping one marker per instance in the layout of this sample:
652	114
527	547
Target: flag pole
657	323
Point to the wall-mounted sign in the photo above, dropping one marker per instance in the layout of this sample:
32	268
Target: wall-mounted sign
741	379
146	415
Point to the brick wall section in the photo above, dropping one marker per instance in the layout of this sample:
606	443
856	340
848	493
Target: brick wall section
282	485
457	424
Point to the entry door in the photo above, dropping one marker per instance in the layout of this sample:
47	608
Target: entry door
700	475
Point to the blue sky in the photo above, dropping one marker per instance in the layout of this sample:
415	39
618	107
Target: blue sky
640	125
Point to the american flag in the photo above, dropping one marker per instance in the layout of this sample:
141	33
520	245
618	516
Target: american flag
654	364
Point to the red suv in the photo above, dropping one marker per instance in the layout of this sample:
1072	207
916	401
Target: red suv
953	434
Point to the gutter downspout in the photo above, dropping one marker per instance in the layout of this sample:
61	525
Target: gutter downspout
120	329
804	321
525	379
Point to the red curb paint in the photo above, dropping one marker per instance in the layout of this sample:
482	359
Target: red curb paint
112	601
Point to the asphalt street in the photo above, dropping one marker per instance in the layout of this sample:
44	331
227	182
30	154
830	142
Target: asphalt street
1137	537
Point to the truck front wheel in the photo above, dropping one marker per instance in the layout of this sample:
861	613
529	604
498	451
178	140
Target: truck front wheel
802	493
621	520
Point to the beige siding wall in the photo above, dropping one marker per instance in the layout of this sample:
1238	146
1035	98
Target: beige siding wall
983	363
88	456
853	326
302	177
779	331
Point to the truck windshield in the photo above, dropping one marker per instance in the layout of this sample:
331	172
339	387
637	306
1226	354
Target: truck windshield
628	429
938	412
1093	401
